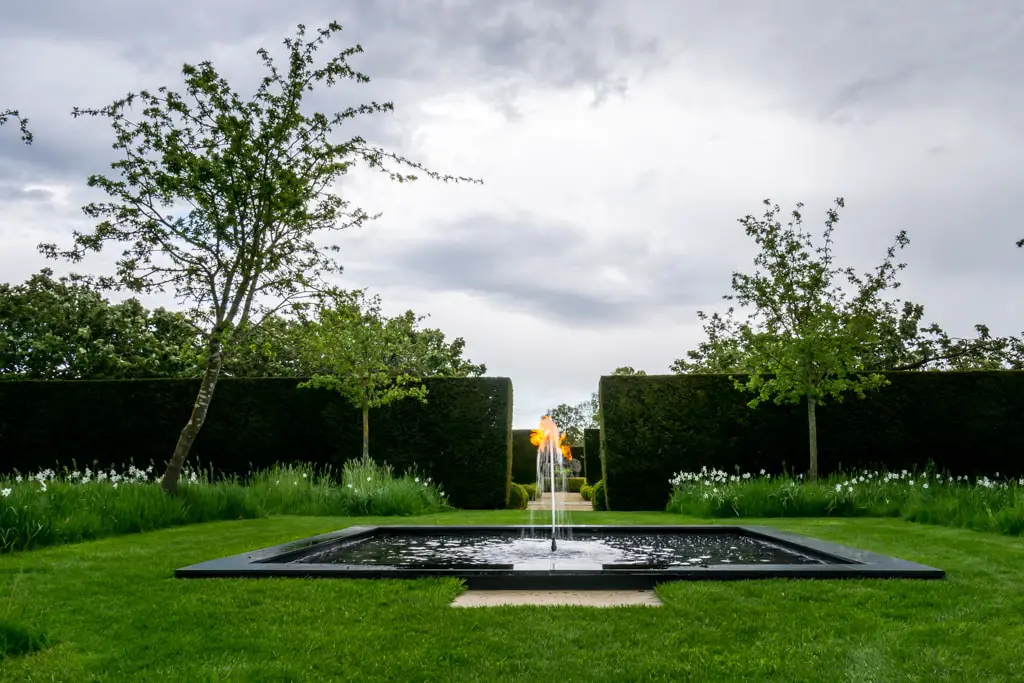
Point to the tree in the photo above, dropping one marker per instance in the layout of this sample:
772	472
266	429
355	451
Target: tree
573	419
254	181
805	339
902	343
65	329
8	114
440	358
365	355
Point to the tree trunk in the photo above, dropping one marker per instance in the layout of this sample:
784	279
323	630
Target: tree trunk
366	429
214	361
812	432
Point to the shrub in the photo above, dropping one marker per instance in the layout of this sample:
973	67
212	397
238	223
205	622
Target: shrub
531	489
461	435
654	426
592	455
519	497
47	509
575	483
585	491
984	504
597	496
16	639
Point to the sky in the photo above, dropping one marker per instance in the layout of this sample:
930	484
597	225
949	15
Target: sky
618	143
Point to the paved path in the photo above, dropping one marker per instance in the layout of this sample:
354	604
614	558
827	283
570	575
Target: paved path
567	501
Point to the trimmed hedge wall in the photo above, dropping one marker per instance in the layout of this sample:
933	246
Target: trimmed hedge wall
524	457
657	425
461	437
592	455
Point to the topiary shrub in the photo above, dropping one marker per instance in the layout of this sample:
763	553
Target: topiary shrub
531	489
518	497
576	483
585	491
597	496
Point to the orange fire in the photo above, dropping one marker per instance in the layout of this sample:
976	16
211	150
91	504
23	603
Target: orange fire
548	429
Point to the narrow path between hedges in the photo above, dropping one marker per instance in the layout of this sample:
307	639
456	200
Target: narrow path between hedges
567	501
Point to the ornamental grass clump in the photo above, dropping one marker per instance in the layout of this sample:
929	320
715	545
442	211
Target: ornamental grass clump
986	504
50	508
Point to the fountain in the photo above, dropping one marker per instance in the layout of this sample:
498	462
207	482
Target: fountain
551	451
589	557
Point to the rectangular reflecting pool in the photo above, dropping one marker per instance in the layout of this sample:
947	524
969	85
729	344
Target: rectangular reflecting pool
587	557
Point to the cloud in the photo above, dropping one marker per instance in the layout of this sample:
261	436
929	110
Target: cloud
618	142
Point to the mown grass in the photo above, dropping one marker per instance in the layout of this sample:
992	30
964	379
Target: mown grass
113	612
50	509
985	504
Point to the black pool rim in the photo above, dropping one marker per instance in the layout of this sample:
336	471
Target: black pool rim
845	562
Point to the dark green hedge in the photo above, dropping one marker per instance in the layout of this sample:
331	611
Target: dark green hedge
654	426
461	436
524	457
592	454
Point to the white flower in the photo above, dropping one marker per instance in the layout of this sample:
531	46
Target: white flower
349	485
368	478
924	485
5	492
911	482
839	487
18	478
43	484
417	480
115	484
304	475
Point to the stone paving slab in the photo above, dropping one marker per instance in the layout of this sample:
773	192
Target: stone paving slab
567	501
481	598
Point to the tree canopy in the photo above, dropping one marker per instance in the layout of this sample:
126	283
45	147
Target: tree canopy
222	198
367	357
811	333
8	114
65	329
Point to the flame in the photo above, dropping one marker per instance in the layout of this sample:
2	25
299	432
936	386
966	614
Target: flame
547	431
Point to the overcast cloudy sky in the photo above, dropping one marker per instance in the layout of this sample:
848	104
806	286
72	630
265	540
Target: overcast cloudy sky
619	142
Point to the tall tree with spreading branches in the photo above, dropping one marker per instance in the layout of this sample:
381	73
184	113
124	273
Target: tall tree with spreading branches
221	198
365	356
805	339
8	114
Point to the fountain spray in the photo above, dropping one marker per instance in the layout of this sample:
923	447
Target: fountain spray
549	443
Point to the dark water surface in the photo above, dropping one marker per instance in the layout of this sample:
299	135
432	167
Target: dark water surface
585	551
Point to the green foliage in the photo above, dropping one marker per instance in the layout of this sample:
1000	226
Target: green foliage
573	420
366	357
598	497
592	455
524	457
257	177
656	426
84	505
574	484
805	339
65	329
7	114
586	491
925	496
531	489
519	497
17	639
461	438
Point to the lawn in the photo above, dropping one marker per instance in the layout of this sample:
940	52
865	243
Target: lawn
113	612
